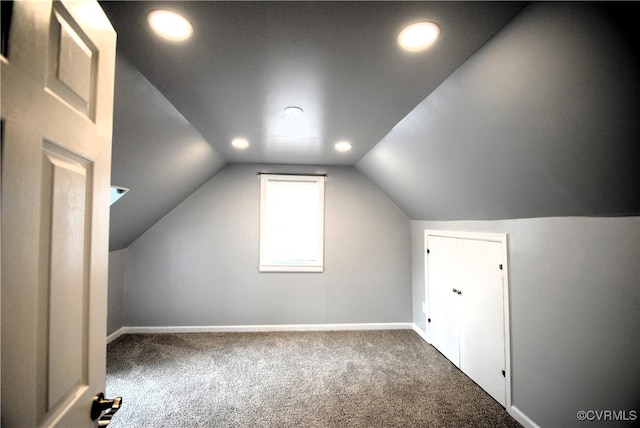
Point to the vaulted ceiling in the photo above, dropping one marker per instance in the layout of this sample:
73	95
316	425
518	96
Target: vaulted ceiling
338	61
515	111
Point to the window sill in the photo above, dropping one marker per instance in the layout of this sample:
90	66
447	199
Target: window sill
296	268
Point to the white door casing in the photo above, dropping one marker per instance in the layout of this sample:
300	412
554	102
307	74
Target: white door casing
57	109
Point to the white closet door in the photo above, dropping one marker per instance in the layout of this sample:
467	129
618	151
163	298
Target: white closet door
482	347
443	301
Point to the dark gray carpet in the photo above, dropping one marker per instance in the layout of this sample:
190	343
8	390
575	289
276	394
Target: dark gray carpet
292	379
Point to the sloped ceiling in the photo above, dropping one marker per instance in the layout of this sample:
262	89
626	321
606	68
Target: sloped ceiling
156	153
339	61
543	121
539	118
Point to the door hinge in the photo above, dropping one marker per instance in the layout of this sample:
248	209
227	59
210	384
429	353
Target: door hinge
500	266
428	251
428	319
503	373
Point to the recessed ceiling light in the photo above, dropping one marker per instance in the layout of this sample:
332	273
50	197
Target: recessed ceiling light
343	146
418	36
240	143
170	25
293	110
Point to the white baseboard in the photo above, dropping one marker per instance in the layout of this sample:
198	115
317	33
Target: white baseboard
521	417
116	334
420	332
260	328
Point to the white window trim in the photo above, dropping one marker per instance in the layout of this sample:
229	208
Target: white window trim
316	265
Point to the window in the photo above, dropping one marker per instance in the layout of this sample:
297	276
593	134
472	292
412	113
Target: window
291	223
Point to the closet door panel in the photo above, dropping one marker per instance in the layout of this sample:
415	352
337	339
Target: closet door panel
482	347
443	302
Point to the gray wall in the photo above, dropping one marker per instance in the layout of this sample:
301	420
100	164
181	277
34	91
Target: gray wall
115	299
198	266
542	121
575	312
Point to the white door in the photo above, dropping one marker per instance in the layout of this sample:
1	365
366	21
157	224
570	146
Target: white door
57	102
482	347
443	300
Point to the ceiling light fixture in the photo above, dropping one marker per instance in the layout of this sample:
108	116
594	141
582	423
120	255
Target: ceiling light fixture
240	143
293	110
170	25
418	36
343	146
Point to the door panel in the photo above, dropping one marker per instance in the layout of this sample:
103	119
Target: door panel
66	187
57	104
72	62
443	302
482	352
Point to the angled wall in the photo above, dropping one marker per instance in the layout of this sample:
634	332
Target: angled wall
544	120
198	266
156	153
